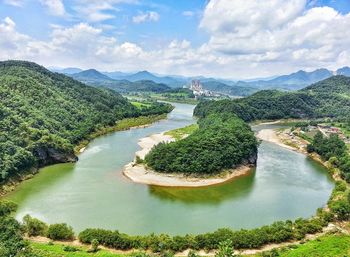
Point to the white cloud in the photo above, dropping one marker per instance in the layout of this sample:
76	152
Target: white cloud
188	13
253	39
17	3
96	10
55	7
147	16
276	32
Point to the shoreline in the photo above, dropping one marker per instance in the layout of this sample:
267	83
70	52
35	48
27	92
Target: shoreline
297	144
136	123
139	173
12	184
271	136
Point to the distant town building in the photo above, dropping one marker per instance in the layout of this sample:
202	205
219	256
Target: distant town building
196	86
198	90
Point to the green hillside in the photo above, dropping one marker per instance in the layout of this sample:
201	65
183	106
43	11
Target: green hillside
44	114
327	98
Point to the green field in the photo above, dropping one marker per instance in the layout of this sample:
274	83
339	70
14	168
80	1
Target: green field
181	132
140	105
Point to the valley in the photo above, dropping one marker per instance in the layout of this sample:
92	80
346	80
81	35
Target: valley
268	175
149	128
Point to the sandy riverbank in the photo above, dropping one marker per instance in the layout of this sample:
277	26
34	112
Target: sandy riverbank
138	173
270	135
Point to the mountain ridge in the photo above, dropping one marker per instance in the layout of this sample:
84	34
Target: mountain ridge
290	82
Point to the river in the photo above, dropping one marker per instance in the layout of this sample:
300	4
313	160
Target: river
94	193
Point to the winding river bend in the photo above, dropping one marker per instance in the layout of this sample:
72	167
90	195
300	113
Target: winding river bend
94	193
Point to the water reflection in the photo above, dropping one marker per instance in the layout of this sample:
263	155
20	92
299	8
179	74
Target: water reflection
238	188
48	177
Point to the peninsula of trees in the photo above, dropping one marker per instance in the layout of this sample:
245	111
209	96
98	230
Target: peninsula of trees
222	142
44	114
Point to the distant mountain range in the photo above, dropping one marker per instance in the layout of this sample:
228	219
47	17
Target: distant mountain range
124	82
98	79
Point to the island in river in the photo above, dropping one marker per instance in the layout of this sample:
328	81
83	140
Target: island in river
139	173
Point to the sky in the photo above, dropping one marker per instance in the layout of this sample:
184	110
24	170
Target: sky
236	39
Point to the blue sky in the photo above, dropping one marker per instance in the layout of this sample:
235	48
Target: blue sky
34	19
221	38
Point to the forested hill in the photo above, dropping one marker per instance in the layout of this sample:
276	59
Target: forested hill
327	98
339	85
43	114
223	141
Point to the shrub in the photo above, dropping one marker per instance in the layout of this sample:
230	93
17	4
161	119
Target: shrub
34	227
340	186
7	208
341	209
60	232
69	248
138	160
225	249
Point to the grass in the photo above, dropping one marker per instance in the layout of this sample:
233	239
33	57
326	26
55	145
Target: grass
57	250
182	132
140	105
325	246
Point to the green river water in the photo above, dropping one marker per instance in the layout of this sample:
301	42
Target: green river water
94	193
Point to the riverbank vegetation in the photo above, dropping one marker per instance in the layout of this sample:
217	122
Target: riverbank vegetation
43	115
11	233
334	150
221	142
331	245
278	232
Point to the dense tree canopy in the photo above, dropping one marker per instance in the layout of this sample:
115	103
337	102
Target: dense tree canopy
328	98
221	142
43	114
333	149
11	233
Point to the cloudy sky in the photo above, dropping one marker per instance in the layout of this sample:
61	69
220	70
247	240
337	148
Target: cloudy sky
219	38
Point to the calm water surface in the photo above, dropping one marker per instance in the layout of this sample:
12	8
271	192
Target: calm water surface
93	192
